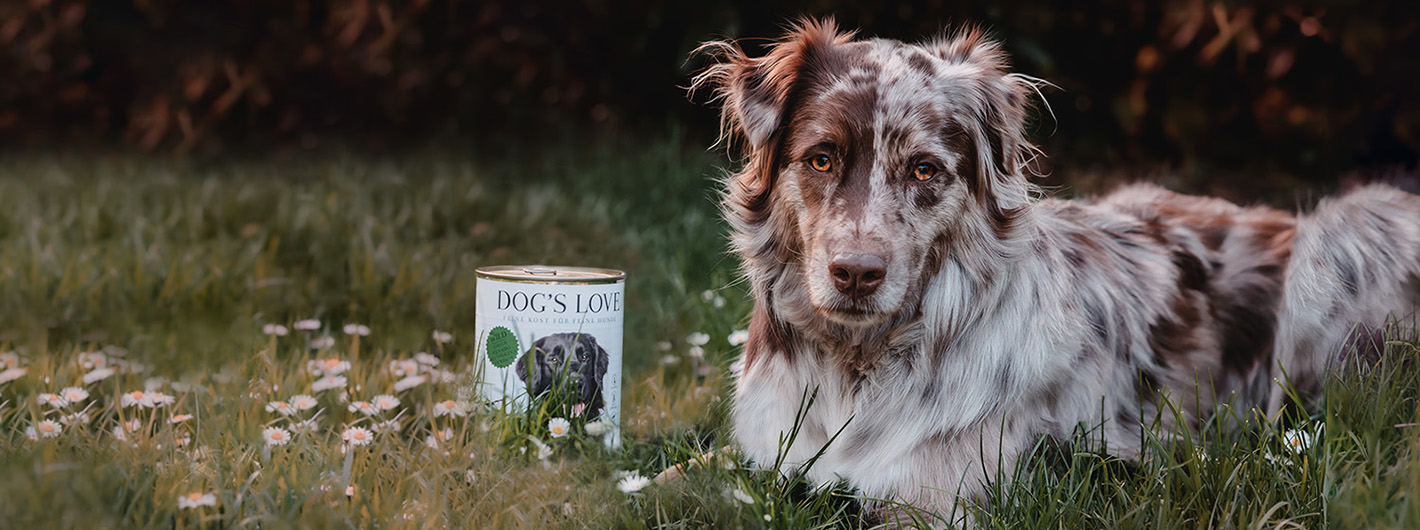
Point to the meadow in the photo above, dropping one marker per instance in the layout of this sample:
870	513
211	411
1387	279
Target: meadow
289	343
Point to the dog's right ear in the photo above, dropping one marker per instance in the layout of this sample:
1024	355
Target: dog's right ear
754	91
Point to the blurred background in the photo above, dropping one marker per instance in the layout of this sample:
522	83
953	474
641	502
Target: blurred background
1218	94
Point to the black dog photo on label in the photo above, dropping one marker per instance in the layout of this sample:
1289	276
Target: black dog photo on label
568	361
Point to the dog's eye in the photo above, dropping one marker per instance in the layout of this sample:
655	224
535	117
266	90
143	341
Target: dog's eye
821	163
924	172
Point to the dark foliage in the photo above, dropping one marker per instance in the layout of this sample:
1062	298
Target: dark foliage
1308	88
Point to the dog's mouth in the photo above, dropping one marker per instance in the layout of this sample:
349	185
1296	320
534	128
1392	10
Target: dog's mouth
853	313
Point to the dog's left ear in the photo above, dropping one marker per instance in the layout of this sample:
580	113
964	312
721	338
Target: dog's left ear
999	100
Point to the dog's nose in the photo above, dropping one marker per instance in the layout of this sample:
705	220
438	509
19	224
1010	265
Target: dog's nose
857	274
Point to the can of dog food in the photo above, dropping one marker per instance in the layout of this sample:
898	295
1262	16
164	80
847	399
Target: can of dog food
551	337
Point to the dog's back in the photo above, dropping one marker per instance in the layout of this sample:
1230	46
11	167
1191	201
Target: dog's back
1355	266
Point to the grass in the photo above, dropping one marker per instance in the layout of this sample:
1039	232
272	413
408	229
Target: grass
172	268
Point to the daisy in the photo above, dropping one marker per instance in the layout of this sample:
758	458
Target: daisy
443	337
350	491
632	482
669	360
357	436
179	418
136	398
275	329
738	337
442	376
598	428
356	329
305	426
328	367
303	402
281	407
543	450
409	382
426	359
9	360
195	500
12	374
74	394
154	383
404	367
309	324
697	339
558	427
1299	440
328	382
364	407
97	375
46	428
77	418
323	342
450	408
92	360
707	295
385	402
388	426
159	399
696	352
664	345
54	400
741	496
276	436
446	434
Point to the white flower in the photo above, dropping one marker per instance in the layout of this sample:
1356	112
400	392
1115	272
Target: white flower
442	376
154	383
632	482
364	407
158	399
385	402
305	426
356	329
738	337
303	402
443	337
275	329
331	366
598	428
97	375
323	342
136	398
356	436
309	324
741	496
409	382
327	383
74	394
92	360
276	436
707	295
558	427
543	451
195	500
388	426
451	408
669	360
54	400
719	302
1299	440
12	374
46	428
697	339
9	360
281	407
403	367
664	345
578	409
426	359
696	352
77	418
350	490
179	418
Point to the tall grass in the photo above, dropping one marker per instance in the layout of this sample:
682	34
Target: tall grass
172	268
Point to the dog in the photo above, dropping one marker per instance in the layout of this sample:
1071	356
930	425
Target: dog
944	316
572	362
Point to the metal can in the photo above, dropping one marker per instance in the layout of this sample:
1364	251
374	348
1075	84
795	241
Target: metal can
551	337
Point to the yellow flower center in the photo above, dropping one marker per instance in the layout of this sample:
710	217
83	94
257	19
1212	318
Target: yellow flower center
276	435
46	427
137	394
194	496
331	363
358	435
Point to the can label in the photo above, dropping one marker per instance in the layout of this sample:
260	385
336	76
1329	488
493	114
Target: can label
553	340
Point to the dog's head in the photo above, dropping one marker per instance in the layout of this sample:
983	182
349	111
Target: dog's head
869	163
564	360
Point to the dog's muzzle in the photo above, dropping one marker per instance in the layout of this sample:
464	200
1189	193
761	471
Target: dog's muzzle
857	274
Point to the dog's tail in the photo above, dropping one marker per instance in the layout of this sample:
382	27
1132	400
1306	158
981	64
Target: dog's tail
1355	268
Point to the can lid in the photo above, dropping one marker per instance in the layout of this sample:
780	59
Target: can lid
551	274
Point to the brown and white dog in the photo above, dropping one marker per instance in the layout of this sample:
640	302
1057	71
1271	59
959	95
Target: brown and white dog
904	268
